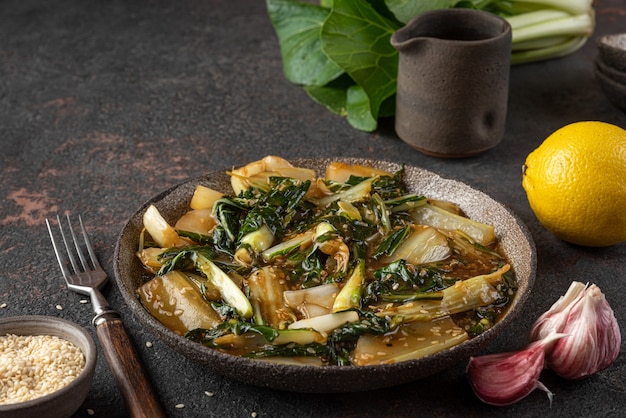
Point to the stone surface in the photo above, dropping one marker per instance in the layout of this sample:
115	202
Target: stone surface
105	104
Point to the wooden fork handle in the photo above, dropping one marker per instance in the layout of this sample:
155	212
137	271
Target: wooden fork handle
127	370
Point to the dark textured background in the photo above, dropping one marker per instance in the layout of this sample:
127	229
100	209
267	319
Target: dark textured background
105	104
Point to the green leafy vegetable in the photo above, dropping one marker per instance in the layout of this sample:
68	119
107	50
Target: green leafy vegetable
342	340
400	281
298	26
339	50
301	267
391	243
356	37
235	326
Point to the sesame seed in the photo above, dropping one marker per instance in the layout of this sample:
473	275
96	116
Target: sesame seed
180	406
253	414
4	305
148	344
59	307
83	301
90	412
32	366
209	394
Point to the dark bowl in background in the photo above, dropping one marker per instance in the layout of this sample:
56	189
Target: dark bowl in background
612	49
613	90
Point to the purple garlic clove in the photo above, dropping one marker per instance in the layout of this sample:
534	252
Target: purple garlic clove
505	378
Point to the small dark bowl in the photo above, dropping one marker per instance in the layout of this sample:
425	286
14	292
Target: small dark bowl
611	72
514	237
65	401
612	49
613	90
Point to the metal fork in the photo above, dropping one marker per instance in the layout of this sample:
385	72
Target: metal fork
85	276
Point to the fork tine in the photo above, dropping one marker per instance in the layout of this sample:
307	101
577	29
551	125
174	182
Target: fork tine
68	249
92	254
81	255
57	252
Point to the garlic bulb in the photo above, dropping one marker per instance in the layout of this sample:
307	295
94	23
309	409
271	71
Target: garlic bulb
576	337
553	320
505	378
594	337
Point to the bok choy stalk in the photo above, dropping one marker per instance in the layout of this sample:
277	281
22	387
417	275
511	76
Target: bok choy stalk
353	194
344	330
330	243
258	174
545	29
314	301
326	323
231	293
462	296
241	337
266	287
284	248
432	215
411	341
161	231
204	197
177	301
339	50
424	244
228	289
350	295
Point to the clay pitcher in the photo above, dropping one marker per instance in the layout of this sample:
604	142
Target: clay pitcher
453	81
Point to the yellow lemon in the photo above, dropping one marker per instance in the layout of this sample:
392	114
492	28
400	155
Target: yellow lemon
575	182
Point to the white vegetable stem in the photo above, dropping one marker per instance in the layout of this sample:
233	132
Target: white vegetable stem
571	6
553	29
555	51
553	24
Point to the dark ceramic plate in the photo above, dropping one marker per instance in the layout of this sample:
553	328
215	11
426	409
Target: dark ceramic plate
516	243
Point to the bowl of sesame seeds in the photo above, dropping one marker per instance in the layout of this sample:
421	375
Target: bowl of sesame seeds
46	366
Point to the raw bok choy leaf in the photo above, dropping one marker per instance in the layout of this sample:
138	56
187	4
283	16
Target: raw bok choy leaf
339	50
352	37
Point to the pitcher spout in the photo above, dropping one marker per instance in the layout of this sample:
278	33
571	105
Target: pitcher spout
406	39
462	26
